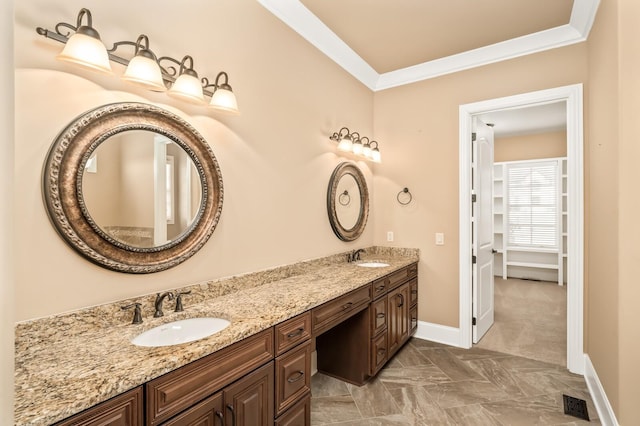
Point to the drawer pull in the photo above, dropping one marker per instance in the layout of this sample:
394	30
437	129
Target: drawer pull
380	287
381	351
380	315
401	296
414	291
221	417
347	305
296	333
295	376
233	414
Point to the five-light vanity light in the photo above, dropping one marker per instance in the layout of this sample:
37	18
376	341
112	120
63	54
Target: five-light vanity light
177	78
359	145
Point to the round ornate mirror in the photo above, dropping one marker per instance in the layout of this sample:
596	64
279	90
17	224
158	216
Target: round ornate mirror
133	187
347	201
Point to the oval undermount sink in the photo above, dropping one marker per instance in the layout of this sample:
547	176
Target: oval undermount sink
183	331
372	264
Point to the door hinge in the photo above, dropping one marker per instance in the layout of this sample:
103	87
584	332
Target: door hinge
473	198
473	321
473	137
473	259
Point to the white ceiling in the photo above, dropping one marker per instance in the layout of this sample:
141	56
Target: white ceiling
421	64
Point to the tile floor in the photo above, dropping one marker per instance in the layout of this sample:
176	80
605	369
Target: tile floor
530	320
428	383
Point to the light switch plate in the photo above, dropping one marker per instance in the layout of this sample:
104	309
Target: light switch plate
439	239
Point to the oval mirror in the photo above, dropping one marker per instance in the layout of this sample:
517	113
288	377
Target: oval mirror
347	201
133	187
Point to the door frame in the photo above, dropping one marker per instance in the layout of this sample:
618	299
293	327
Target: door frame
573	96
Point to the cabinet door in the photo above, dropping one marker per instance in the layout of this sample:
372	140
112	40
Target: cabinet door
378	353
249	401
123	410
207	413
398	317
378	316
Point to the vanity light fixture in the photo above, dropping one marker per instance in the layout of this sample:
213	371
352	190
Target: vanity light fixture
187	86
359	145
85	48
145	69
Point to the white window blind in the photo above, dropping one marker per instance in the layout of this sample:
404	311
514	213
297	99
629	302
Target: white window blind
532	204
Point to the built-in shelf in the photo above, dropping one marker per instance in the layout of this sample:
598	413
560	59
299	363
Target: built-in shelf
527	257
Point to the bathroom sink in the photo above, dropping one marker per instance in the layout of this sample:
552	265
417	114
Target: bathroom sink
183	331
372	264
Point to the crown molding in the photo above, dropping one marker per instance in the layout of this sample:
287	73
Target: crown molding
310	27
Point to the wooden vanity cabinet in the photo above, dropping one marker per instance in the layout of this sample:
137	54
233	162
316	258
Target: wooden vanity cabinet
398	318
249	401
123	410
293	371
181	389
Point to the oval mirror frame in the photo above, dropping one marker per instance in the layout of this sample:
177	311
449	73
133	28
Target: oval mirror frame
341	232
62	187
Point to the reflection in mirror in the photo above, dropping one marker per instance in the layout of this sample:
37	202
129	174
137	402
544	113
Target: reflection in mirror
347	204
347	201
146	191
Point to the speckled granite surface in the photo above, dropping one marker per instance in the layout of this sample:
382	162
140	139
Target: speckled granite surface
67	363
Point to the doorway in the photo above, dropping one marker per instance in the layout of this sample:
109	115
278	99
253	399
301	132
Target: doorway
572	95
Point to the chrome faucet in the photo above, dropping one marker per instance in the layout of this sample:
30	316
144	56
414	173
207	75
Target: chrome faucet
158	303
354	255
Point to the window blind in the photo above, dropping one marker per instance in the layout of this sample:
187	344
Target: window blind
532	204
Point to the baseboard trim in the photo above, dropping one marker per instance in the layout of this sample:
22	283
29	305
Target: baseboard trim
599	397
438	333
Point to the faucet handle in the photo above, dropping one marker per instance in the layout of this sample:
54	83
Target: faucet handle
179	294
137	313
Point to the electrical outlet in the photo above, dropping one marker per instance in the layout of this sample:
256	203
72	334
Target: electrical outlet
390	236
439	239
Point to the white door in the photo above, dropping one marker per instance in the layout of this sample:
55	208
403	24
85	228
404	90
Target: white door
482	229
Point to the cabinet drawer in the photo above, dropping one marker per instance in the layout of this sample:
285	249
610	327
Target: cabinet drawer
331	313
293	376
175	391
378	353
298	415
394	279
124	409
292	332
378	316
413	292
379	287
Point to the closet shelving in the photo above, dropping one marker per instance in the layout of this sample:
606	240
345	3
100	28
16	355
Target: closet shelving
508	259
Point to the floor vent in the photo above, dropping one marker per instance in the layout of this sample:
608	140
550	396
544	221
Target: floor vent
575	407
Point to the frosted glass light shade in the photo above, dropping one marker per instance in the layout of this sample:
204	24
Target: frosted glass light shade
375	155
357	147
366	150
187	87
224	100
86	51
345	144
145	72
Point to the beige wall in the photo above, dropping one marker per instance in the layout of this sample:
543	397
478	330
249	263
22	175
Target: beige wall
531	147
6	215
417	126
629	226
276	158
602	338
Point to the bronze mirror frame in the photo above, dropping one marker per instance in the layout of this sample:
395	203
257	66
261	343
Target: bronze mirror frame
341	232
62	187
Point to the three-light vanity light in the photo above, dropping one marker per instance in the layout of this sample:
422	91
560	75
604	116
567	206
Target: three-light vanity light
359	145
145	69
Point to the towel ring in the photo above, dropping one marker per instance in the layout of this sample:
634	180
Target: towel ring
404	191
344	199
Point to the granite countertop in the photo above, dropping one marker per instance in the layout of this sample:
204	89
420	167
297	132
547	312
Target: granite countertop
65	365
